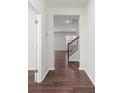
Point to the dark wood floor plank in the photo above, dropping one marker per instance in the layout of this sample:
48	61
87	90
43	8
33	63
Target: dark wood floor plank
64	79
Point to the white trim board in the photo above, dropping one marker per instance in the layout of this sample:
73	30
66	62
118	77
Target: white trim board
39	49
90	77
44	75
87	75
31	68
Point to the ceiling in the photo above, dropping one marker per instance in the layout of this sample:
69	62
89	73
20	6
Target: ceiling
66	3
60	24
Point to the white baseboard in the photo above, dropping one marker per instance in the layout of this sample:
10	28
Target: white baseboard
90	77
51	68
87	75
81	68
44	75
31	68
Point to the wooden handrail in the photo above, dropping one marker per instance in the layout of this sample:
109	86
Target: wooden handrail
73	40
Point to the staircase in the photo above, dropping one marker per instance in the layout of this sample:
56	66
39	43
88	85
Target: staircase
73	53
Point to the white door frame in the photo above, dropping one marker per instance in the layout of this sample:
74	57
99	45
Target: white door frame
38	49
61	11
38	43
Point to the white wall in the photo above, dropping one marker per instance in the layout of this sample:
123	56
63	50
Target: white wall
87	40
60	11
31	40
60	40
86	31
40	6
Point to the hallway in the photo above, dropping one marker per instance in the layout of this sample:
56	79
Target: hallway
64	79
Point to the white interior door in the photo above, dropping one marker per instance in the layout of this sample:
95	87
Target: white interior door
34	42
31	39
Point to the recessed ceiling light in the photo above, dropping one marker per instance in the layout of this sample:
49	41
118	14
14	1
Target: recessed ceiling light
67	21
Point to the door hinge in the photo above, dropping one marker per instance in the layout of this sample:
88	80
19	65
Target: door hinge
36	21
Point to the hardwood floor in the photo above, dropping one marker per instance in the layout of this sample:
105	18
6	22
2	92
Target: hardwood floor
64	79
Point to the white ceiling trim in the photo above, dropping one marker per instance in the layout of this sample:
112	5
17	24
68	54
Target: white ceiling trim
66	3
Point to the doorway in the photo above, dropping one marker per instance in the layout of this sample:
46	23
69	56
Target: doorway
66	29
